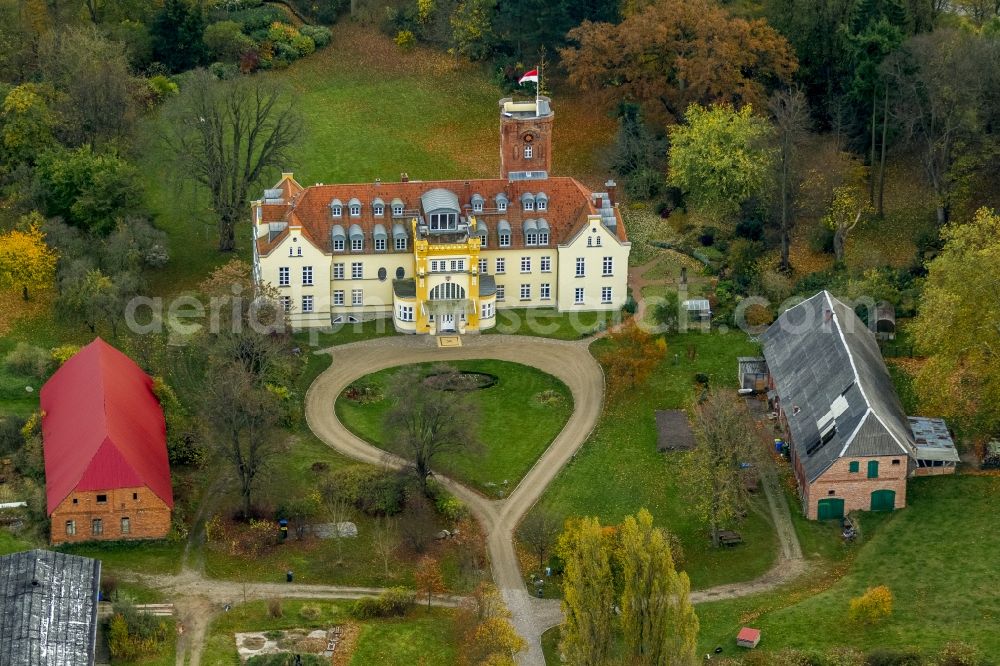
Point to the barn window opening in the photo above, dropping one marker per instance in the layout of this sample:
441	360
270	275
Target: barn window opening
831	492
126	526
895	461
102	499
96	527
135	496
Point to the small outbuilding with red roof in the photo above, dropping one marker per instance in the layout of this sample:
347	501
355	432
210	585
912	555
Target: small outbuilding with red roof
107	476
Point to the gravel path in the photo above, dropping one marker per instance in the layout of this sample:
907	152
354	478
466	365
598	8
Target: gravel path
571	362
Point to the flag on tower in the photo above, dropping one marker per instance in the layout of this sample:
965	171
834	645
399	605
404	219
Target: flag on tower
529	76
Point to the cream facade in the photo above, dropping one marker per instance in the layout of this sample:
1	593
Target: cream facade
443	256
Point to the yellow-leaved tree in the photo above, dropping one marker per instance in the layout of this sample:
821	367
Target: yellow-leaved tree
25	260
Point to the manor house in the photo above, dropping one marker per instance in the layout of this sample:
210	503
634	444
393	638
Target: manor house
444	256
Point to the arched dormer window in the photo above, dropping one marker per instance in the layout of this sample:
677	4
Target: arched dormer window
541	201
336	208
354	207
528	201
378	208
477	203
502	202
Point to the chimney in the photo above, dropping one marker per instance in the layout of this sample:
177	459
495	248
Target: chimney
612	188
404	177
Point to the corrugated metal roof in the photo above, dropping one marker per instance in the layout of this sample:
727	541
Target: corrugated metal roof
827	366
439	198
49	603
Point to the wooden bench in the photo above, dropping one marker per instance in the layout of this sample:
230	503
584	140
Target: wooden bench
729	538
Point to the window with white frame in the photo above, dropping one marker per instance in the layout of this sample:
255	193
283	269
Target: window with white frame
578	295
307	276
488	310
545	291
502	205
337	211
546	264
501	265
70	527
457	265
483	266
338	297
357	297
500	292
580	267
380	245
477	206
444	221
525	264
505	239
404	312
284	276
590	241
607	266
355	210
307	303
378	210
527	152
525	292
338	245
397	210
598	241
286	303
529	204
483	240
542	204
96	526
605	294
401	243
357	270
338	271
357	244
531	238
543	238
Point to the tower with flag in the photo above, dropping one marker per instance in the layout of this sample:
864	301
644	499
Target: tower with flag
526	133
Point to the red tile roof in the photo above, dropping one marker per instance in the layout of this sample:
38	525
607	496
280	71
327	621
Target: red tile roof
102	427
569	203
749	635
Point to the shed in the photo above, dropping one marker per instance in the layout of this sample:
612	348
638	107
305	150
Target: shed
885	321
49	608
748	637
673	431
935	449
753	375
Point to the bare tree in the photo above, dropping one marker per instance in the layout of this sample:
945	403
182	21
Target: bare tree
790	114
429	422
243	413
228	135
724	436
384	537
540	531
338	510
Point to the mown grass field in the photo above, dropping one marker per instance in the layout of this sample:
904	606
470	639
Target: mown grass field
619	471
938	556
505	455
423	637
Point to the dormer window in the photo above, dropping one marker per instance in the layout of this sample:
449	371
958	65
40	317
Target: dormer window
378	210
357	244
529	204
505	239
531	238
356	211
338	244
336	210
541	201
543	238
444	221
502	206
397	210
477	203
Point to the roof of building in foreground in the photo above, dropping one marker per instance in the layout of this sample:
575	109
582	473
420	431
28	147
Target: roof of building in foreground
102	427
834	387
568	203
49	613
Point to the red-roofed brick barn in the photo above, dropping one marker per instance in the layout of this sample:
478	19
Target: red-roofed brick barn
104	439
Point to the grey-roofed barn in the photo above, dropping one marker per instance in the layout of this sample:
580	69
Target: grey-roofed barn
851	442
49	615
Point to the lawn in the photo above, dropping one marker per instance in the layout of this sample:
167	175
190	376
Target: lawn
152	557
938	556
503	458
11	543
424	636
618	470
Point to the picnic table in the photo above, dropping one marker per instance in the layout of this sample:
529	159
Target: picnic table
729	538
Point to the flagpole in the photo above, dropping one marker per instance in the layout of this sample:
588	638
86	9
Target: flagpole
538	88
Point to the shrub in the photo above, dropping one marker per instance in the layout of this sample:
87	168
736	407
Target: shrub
304	45
450	507
630	305
224	71
29	360
371	490
274	608
959	654
405	40
394	602
281	33
132	634
645	183
310	612
707	236
257	18
821	239
872	606
319	34
62	354
11	438
225	40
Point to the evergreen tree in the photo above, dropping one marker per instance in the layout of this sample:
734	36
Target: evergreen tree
176	33
658	620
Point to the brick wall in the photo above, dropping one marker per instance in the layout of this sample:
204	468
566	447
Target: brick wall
933	471
148	516
855	488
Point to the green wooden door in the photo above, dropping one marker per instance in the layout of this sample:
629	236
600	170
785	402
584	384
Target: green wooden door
831	508
883	500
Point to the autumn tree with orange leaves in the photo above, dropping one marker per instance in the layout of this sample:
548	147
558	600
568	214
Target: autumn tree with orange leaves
674	53
633	356
25	260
